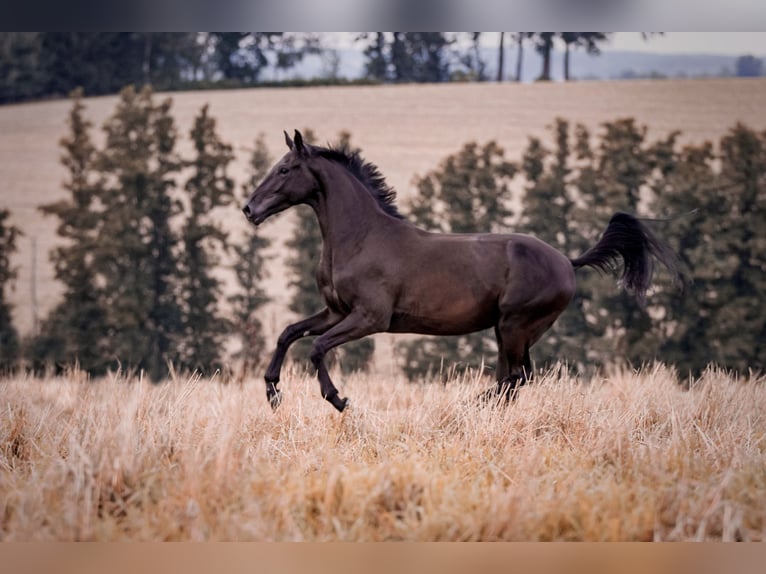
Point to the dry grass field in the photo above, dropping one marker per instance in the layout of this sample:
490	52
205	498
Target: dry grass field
406	130
630	456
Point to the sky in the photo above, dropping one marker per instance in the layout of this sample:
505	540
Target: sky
732	43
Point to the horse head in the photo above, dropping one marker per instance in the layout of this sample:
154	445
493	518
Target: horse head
290	182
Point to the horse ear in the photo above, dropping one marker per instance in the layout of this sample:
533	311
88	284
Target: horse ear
288	141
299	146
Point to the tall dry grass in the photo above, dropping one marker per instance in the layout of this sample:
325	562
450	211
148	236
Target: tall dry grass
631	456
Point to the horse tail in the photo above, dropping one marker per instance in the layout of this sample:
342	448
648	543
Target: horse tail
627	238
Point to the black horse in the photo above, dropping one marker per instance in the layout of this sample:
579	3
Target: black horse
380	273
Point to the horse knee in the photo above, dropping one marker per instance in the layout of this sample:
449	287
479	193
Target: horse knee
316	356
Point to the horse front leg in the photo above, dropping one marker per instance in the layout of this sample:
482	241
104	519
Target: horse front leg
314	325
355	326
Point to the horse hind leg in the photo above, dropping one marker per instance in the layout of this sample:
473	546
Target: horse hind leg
515	337
501	369
519	367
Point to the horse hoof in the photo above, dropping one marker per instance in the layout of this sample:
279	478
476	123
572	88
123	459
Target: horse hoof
497	396
275	398
340	404
484	397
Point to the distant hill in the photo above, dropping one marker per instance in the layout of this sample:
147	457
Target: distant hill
607	66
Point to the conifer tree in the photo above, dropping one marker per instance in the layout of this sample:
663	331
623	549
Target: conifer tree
9	339
628	165
306	244
741	321
692	194
549	214
720	318
470	192
569	201
208	188
250	272
74	331
136	256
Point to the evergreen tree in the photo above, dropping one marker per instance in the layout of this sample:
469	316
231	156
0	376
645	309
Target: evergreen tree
741	321
587	40
572	194
408	56
74	330
544	47
9	339
250	272
721	318
208	188
627	167
21	77
306	244
692	190
136	256
549	214
473	62
420	56
470	192
376	66
243	56
100	63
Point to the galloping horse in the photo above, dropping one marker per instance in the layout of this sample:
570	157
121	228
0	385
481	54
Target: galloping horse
380	273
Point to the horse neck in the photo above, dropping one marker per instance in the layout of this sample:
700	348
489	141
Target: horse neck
345	209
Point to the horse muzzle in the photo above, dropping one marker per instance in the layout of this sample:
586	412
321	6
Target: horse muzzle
252	216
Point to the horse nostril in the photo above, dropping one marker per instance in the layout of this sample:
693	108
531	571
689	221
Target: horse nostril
246	210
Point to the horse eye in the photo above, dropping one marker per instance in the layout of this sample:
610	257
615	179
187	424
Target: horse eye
283	170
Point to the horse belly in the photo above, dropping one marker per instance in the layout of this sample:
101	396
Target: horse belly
449	307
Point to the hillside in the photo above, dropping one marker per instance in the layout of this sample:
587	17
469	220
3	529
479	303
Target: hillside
406	130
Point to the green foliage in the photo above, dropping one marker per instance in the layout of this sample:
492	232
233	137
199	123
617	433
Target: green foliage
589	41
572	187
136	256
39	64
21	76
249	268
408	56
470	192
9	339
74	330
572	193
208	188
139	256
306	246
721	318
105	62
550	213
243	56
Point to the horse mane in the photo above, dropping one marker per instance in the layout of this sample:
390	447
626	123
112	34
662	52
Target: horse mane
366	172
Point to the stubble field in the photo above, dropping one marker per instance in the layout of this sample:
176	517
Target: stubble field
630	456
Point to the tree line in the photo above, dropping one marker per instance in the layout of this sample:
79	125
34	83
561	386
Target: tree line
708	200
140	247
37	65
